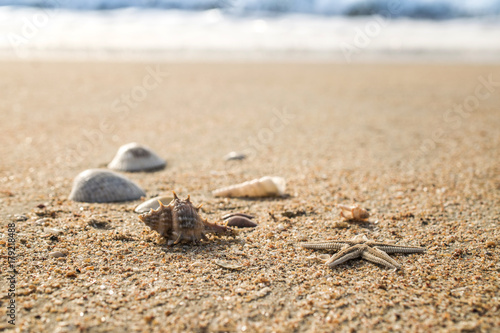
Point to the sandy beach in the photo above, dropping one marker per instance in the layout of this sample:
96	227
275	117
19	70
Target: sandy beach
417	145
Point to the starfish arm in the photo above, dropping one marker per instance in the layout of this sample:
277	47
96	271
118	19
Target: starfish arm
345	255
373	258
387	248
324	245
376	259
381	255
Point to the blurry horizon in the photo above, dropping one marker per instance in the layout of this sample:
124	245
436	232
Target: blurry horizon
418	9
344	30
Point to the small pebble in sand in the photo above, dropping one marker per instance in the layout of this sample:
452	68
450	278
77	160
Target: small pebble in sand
341	225
54	231
71	274
235	156
263	292
42	222
57	254
491	244
227	265
20	217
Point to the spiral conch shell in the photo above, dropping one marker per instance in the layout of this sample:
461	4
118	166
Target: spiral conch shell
180	220
263	187
133	157
353	213
97	185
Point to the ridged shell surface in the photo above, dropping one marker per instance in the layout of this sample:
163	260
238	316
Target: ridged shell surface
263	187
97	185
153	203
133	157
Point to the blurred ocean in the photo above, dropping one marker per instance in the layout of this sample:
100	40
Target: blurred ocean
349	30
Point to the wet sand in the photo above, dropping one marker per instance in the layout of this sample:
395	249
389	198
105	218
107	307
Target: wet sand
417	145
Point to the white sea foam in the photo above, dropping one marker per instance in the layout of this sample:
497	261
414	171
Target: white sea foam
165	34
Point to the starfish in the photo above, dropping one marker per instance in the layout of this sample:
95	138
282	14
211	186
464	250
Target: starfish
361	246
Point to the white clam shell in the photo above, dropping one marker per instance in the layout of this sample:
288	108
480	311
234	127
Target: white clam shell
134	157
153	203
97	185
263	187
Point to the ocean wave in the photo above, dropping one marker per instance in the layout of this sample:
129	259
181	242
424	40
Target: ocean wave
419	9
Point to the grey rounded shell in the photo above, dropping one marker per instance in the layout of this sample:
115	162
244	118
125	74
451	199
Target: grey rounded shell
133	157
96	185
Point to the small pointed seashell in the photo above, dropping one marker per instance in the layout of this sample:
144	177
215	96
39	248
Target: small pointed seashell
353	213
134	157
234	156
97	185
263	187
153	203
240	222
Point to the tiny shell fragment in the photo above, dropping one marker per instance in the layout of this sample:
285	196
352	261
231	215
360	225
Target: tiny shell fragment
263	292
353	213
227	265
323	257
57	254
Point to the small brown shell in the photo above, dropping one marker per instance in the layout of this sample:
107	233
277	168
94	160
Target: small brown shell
240	222
353	213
